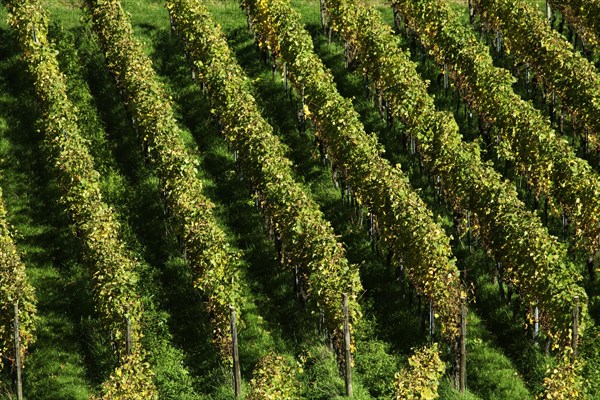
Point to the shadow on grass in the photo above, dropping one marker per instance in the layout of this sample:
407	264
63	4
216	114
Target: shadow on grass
56	367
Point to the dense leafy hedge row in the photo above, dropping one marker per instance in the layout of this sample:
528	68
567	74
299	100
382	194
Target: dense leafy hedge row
584	15
421	379
308	240
533	260
524	136
274	378
114	265
407	224
530	39
14	288
214	266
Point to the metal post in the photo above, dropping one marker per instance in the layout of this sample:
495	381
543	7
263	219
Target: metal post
445	76
128	346
18	353
348	353
536	323
575	327
237	375
498	42
431	322
463	348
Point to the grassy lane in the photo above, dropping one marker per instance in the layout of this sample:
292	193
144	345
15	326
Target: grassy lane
56	368
188	319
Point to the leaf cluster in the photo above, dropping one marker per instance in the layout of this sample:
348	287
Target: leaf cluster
275	378
530	40
564	382
584	15
421	379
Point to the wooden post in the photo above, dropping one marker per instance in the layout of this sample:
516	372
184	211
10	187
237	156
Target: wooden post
468	234
462	380
536	323
128	346
575	332
372	230
323	19
431	322
445	76
18	353
285	77
348	353
396	19
237	375
471	12
500	279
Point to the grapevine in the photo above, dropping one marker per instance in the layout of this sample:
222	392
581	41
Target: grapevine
533	260
524	135
115	267
274	378
584	15
407	224
308	240
529	38
214	265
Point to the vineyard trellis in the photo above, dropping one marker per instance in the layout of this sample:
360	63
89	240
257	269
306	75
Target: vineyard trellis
549	286
418	243
584	15
215	267
532	42
114	266
524	136
534	261
308	240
